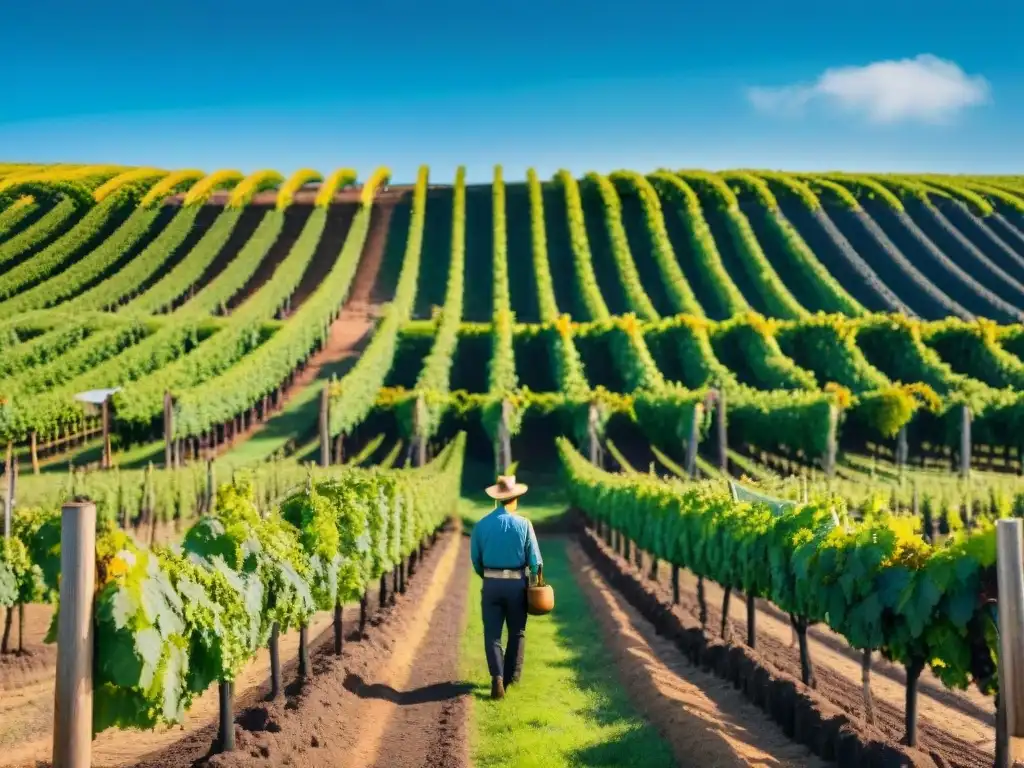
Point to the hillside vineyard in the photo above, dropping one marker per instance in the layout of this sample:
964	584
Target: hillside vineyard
892	298
836	342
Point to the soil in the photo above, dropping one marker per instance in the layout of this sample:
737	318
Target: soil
38	661
704	718
955	728
26	734
374	250
27	681
432	701
393	699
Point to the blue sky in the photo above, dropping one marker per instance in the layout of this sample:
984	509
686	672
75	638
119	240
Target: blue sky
561	83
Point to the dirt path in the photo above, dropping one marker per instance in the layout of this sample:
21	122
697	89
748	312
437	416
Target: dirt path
432	702
18	671
393	699
704	718
372	259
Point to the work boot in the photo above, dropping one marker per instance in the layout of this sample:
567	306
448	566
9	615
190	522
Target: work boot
514	662
510	681
497	688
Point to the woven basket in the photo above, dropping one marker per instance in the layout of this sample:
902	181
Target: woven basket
540	598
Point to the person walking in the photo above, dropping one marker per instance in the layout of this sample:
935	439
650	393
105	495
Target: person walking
503	547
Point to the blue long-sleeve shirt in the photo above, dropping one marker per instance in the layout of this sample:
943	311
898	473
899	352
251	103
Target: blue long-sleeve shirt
504	540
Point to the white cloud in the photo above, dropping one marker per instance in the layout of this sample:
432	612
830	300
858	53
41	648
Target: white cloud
925	88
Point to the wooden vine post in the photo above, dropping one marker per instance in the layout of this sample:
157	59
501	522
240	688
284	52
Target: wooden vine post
34	451
8	490
594	442
226	726
831	442
965	441
325	432
751	621
419	417
902	451
274	646
304	666
363	613
105	418
150	496
691	443
723	435
168	430
1010	701
72	714
8	514
211	486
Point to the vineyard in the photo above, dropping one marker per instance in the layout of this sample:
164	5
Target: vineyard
783	410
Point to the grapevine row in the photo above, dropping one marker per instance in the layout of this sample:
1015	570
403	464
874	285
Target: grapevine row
169	623
762	275
352	398
222	398
679	291
22	209
565	358
828	294
501	373
801	190
435	376
590	296
710	271
876	583
636	297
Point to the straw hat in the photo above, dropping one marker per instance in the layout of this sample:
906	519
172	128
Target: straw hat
506	488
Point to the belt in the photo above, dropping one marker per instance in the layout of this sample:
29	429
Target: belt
504	573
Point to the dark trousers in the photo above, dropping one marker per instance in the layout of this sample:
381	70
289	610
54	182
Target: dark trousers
504	602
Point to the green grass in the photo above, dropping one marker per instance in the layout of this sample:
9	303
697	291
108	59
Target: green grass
569	709
137	457
544	503
541	505
297	421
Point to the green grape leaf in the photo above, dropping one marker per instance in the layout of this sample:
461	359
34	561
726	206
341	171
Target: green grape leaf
8	586
149	646
891	584
960	603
